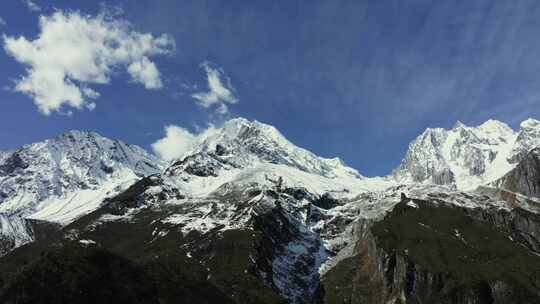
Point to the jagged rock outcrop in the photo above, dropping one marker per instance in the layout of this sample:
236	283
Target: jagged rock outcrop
525	177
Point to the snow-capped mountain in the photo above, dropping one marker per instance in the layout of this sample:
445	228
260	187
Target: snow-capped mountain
467	156
69	163
241	143
527	139
244	152
60	179
264	221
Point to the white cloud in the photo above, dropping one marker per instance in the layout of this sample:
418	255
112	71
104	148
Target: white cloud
145	72
32	6
178	141
74	50
2	21
220	90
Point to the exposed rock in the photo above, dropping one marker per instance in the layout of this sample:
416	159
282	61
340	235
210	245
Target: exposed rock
525	177
12	163
325	201
444	177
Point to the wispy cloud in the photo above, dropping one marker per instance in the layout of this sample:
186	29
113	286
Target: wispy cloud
32	6
2	21
74	50
220	90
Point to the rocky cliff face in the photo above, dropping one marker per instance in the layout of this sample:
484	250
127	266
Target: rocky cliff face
435	252
525	177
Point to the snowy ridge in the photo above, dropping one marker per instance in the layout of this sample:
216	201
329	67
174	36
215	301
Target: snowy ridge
63	178
467	156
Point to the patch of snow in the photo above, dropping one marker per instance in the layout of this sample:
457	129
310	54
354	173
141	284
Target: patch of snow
412	204
87	242
458	235
69	207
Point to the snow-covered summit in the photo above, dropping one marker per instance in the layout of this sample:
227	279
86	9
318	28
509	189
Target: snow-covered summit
55	169
528	138
467	156
530	123
244	142
244	151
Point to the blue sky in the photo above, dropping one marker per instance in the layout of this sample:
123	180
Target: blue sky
354	79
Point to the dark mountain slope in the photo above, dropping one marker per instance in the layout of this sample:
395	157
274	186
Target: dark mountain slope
430	252
75	273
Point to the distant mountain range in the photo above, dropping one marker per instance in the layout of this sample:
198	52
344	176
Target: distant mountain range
248	217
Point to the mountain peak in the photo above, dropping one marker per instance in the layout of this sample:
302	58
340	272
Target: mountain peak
80	136
242	129
79	133
530	123
494	125
465	156
241	144
459	125
73	161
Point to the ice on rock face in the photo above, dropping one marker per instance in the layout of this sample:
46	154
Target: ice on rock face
467	156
